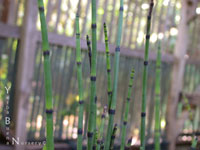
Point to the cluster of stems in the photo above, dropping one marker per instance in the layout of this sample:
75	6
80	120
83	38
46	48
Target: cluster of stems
157	98
127	105
48	79
92	107
145	73
115	82
80	86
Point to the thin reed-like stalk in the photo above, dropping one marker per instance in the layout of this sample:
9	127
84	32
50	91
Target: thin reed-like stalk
108	66
128	144
101	129
89	49
113	137
157	98
127	105
92	109
115	83
80	86
145	73
48	79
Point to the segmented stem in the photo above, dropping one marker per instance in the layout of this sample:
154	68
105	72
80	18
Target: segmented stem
101	129
145	72
108	66
116	72
89	49
80	86
127	105
48	79
157	98
92	114
113	137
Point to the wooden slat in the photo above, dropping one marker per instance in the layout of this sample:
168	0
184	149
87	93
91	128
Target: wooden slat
8	31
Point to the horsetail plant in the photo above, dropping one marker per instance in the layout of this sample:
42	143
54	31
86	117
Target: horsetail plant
113	137
116	72
92	109
80	86
124	127
101	129
48	79
109	86
145	72
89	49
157	98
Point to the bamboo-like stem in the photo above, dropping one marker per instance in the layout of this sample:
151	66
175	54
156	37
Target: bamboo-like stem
92	109
157	98
89	49
48	79
80	86
127	105
101	129
145	72
116	72
194	143
113	137
108	66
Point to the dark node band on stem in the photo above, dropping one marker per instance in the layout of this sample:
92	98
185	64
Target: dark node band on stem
90	134
143	114
121	8
117	49
94	26
125	123
99	141
103	116
130	85
78	63
128	99
78	35
110	93
107	52
146	63
106	40
88	42
93	78
94	147
49	111
41	8
147	36
46	53
81	102
113	137
108	70
80	131
111	111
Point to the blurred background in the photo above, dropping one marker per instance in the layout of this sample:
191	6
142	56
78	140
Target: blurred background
175	22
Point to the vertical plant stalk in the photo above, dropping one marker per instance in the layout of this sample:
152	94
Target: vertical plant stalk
116	72
48	79
89	49
113	137
157	98
92	109
145	72
124	127
101	129
108	66
128	144
80	86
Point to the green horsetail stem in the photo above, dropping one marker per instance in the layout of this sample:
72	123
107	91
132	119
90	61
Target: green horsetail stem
80	86
127	105
108	66
194	143
48	79
145	72
113	137
101	129
92	109
157	98
89	49
116	72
